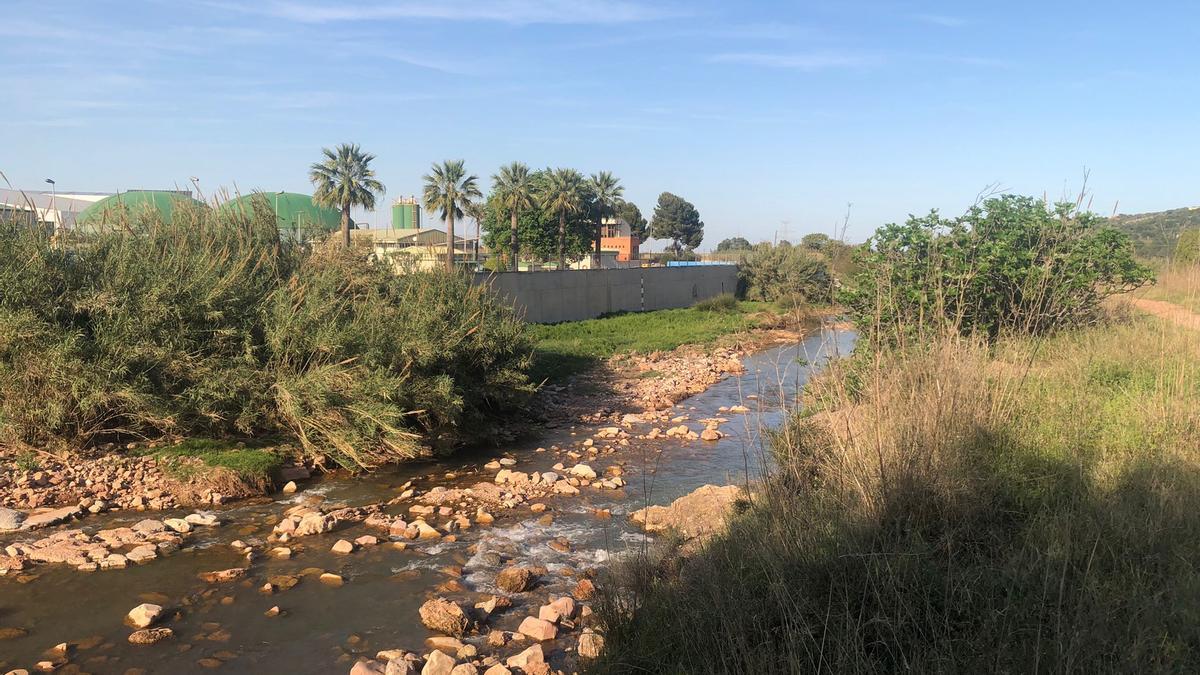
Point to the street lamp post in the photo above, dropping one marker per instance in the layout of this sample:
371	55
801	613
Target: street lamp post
54	207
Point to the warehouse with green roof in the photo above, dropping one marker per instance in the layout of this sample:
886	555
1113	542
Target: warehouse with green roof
295	213
134	204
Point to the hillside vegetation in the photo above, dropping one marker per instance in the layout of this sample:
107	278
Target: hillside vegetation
956	499
1154	235
211	326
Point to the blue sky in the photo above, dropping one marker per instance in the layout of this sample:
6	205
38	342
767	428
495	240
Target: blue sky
769	116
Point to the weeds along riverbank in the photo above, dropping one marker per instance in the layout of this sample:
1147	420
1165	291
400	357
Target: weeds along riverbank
950	501
212	326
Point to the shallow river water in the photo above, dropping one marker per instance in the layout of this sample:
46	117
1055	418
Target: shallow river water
324	629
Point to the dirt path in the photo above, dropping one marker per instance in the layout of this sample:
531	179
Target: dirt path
1180	316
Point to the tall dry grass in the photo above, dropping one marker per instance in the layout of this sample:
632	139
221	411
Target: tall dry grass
1023	505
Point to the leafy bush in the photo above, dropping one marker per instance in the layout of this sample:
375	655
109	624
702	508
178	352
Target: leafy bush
774	273
1187	249
212	326
1009	264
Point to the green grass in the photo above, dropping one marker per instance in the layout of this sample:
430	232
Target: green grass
569	348
255	461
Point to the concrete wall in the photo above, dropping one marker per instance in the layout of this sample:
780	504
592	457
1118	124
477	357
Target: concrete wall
574	295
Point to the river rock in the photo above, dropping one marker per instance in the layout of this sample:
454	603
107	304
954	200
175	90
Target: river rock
331	579
538	629
203	519
584	590
444	616
402	667
583	471
437	663
222	576
144	615
590	645
149	636
528	659
696	515
465	669
515	579
10	633
368	667
10	519
342	546
290	487
48	517
710	435
180	525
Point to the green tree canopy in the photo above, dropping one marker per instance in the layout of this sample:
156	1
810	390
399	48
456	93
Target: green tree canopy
734	244
677	219
630	213
815	241
537	229
345	179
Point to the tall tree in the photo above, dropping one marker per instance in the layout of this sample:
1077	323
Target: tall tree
734	244
563	195
345	179
476	211
514	191
606	195
448	189
675	218
631	214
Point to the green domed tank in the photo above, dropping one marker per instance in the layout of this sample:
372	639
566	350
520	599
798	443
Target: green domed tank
135	203
294	212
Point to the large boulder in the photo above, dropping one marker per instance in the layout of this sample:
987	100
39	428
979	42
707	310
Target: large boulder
696	516
443	616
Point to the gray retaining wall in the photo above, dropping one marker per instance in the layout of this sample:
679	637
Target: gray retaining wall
574	295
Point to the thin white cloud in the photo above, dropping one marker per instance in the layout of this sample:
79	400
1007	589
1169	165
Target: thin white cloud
808	62
942	20
504	11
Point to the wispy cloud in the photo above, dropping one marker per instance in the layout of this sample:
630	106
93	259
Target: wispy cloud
807	61
505	11
942	20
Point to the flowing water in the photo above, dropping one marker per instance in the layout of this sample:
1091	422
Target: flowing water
324	629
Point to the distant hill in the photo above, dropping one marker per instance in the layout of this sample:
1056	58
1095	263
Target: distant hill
1154	234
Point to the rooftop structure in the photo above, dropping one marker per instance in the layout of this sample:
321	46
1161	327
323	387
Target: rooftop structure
134	203
294	212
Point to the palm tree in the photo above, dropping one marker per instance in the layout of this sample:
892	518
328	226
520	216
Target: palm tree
562	194
476	211
448	189
607	191
513	185
345	179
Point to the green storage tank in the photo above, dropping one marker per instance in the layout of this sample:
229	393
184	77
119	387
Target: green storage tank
406	214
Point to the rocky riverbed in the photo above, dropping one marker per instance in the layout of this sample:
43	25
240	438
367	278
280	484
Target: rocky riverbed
482	563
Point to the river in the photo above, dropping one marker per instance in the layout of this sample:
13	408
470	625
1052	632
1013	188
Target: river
325	629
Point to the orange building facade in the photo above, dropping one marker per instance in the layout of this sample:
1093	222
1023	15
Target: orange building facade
615	235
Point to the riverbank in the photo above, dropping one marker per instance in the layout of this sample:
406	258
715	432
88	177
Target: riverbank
633	366
962	507
489	513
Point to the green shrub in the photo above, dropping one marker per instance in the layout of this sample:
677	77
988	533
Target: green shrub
1187	249
1009	264
213	326
724	302
779	272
